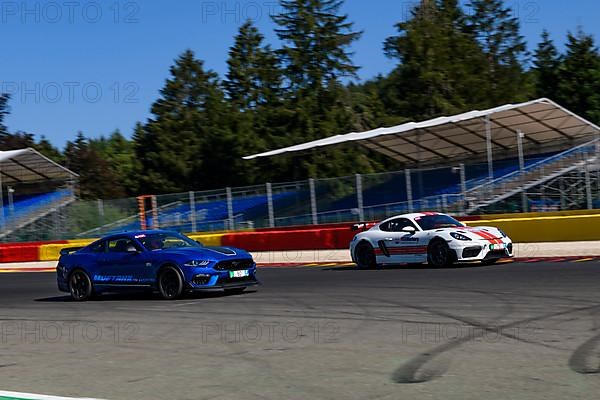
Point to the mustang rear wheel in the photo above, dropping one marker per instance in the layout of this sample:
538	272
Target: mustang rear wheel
439	254
365	256
170	283
80	285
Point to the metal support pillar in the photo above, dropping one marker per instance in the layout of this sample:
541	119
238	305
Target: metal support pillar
230	218
463	187
193	211
489	149
359	198
409	193
270	206
313	201
588	187
101	211
2	220
520	136
155	224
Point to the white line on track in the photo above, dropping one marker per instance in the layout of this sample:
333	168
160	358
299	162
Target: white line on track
30	396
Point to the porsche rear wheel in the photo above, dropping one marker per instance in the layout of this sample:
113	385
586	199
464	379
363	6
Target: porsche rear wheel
439	254
365	256
80	285
170	283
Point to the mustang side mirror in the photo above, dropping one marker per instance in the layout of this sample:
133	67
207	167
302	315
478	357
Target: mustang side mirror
409	229
132	249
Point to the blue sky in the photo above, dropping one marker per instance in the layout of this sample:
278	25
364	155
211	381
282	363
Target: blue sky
97	66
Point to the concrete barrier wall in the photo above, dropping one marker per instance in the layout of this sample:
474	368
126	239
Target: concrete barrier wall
571	228
522	228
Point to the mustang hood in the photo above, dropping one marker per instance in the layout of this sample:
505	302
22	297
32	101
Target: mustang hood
208	253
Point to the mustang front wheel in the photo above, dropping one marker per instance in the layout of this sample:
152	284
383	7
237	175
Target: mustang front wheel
170	283
439	254
80	286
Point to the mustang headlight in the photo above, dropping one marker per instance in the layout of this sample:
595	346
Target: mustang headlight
459	236
197	263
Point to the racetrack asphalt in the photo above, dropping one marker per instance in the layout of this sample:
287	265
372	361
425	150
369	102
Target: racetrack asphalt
522	331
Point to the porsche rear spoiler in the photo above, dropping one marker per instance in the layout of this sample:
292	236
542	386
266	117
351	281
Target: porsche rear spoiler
362	226
70	250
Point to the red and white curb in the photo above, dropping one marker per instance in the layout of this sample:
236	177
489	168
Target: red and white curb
30	396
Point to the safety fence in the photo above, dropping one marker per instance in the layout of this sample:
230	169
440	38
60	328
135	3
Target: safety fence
522	228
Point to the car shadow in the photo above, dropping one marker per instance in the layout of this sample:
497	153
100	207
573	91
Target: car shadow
407	267
144	296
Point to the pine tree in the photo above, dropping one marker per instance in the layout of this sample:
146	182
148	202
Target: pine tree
253	78
187	143
316	40
46	148
498	32
440	65
546	67
579	77
97	178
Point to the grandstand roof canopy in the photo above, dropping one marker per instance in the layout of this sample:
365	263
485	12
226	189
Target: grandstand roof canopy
29	166
545	126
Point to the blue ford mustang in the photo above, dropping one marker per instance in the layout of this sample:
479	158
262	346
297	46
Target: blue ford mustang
167	262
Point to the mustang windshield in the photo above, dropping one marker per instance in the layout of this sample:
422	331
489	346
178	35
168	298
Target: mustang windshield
437	221
159	241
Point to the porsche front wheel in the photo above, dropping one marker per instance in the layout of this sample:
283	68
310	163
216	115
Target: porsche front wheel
365	256
439	254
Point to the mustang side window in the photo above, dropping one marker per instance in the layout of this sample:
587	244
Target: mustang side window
120	245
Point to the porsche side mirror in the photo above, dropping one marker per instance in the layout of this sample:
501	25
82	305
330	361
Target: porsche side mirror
409	229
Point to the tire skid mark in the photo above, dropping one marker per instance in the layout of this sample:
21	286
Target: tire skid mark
582	358
417	369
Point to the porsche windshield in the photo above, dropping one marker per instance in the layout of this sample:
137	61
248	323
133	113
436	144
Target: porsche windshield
437	221
160	241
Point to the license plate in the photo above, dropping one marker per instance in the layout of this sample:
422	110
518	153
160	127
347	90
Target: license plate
501	246
238	274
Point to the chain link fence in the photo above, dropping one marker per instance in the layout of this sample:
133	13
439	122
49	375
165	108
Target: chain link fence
354	198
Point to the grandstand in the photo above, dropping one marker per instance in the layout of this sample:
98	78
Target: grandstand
547	157
31	187
534	156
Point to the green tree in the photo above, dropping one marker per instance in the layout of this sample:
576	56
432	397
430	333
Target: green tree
579	77
187	143
97	178
316	41
46	148
253	78
440	65
546	65
120	154
498	31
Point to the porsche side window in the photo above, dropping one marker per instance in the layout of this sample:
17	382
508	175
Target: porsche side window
397	225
